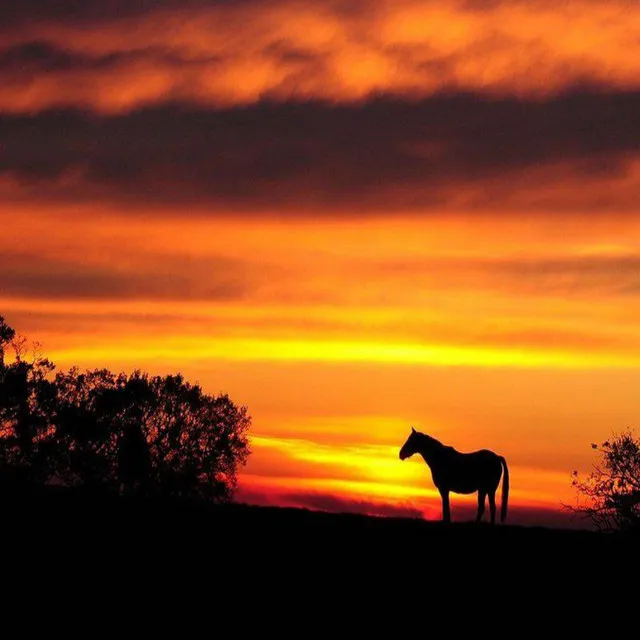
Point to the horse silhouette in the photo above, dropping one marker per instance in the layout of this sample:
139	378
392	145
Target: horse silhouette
457	472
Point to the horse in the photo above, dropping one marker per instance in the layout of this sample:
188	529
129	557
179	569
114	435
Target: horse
457	472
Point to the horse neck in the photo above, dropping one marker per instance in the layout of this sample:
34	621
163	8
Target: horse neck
427	450
431	451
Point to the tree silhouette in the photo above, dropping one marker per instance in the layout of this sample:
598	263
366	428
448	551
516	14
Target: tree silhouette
98	430
26	396
6	336
195	440
611	492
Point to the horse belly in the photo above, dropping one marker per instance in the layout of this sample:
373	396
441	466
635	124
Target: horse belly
464	488
456	482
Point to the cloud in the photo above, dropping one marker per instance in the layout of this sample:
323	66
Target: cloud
449	151
87	12
287	106
578	276
232	53
325	502
518	514
169	278
42	57
328	502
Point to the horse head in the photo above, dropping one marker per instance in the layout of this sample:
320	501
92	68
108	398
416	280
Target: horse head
411	445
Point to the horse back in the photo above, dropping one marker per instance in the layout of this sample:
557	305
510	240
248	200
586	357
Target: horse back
468	472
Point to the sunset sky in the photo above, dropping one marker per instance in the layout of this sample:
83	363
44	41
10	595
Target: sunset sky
352	216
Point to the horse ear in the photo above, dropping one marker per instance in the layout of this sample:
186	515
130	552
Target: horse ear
413	430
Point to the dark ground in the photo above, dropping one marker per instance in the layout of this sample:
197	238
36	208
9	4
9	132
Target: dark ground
76	520
218	556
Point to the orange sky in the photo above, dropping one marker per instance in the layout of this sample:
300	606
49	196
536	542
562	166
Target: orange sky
352	217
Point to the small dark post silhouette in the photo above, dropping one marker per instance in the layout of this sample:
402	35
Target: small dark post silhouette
134	460
457	472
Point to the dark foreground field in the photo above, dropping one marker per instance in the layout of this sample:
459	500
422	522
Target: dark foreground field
57	526
168	565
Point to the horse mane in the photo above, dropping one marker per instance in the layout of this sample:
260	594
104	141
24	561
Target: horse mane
430	440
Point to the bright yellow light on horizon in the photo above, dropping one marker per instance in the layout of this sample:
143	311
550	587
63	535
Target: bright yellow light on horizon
203	349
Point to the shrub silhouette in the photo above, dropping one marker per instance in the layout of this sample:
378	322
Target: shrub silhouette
611	492
117	432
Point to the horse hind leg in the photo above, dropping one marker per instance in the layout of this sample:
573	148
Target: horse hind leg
481	500
492	506
446	507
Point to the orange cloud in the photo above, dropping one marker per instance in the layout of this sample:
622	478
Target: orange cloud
237	53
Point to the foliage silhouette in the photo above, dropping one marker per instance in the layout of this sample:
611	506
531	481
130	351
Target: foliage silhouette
611	491
26	396
7	334
101	431
457	472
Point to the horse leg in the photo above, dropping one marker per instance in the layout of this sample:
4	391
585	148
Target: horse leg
481	499
492	505
446	509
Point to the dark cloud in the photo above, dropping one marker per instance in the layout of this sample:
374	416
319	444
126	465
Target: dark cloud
328	502
378	154
39	56
518	515
590	275
170	278
17	12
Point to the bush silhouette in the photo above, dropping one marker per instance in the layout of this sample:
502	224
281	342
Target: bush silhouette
102	431
611	492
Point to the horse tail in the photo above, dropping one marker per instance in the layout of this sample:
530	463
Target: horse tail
505	490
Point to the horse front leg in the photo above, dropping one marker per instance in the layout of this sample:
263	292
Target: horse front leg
446	508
